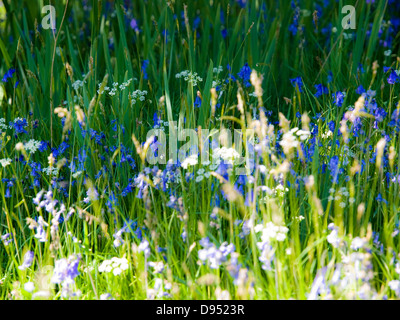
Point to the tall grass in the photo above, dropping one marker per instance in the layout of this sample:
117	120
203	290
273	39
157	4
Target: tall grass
318	219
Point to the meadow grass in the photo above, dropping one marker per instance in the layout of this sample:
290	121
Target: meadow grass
84	215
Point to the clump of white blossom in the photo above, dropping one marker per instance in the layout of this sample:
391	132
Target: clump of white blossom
189	76
115	265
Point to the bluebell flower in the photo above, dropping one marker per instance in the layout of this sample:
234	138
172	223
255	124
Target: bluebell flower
197	102
28	259
145	64
393	77
244	74
320	90
360	90
134	25
8	75
338	98
297	82
19	125
379	198
334	167
65	272
6	238
196	22
330	77
111	202
293	28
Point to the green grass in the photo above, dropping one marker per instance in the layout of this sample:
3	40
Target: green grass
293	188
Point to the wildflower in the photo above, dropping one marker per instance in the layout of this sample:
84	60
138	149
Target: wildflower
297	82
19	125
158	266
395	286
189	161
393	77
338	98
144	68
333	238
244	74
40	232
32	146
357	243
134	25
189	76
29	286
215	256
197	102
5	162
145	248
289	141
320	90
137	95
106	296
92	195
228	155
28	259
8	74
65	271
6	238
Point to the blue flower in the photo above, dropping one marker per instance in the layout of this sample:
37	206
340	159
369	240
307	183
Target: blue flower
244	74
6	238
330	77
334	168
65	271
360	90
338	98
297	82
8	75
393	77
197	102
144	67
19	125
320	90
134	25
28	259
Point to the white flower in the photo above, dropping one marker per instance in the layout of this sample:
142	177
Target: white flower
228	155
333	238
5	162
29	286
303	134
158	266
395	286
357	243
288	142
117	271
32	146
189	161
